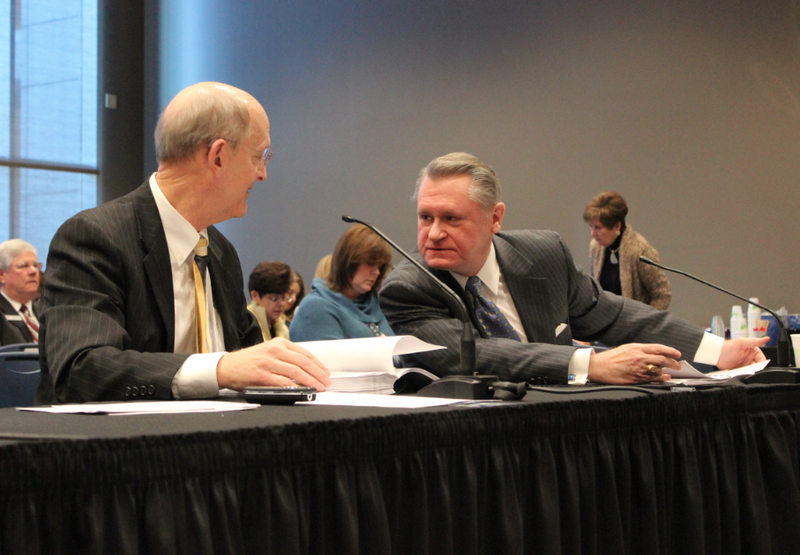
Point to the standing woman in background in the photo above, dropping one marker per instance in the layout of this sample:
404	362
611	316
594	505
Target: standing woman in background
345	304
615	250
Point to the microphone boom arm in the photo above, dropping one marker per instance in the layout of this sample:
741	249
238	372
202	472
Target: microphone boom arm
467	335
783	339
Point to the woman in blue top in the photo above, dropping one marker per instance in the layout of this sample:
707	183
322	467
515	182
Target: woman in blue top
345	305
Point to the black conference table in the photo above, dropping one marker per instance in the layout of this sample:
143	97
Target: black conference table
604	470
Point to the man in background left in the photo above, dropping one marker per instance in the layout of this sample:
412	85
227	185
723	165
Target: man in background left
19	288
144	297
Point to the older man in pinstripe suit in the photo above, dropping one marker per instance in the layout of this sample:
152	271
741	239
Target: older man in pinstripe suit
119	319
531	278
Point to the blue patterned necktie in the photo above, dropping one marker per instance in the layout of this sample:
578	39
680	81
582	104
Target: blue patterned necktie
490	319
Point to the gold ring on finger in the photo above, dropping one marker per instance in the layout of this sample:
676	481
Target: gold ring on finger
653	370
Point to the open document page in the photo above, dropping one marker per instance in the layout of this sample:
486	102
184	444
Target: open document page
366	365
688	374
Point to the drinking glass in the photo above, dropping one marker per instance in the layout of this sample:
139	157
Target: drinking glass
718	326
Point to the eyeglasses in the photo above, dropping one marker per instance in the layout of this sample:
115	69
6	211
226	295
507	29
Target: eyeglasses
27	266
266	156
275	299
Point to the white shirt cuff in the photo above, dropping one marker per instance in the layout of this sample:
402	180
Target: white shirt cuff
579	366
197	377
710	349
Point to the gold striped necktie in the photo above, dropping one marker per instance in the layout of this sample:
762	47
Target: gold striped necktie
199	266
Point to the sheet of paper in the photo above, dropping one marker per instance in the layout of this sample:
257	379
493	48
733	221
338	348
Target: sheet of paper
688	371
365	354
371	382
387	401
143	407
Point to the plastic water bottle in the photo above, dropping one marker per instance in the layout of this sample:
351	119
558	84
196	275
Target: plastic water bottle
738	325
753	318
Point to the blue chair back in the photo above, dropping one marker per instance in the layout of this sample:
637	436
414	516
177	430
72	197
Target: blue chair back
16	347
19	378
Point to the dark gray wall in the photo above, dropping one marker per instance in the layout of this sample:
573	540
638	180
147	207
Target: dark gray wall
690	110
122	70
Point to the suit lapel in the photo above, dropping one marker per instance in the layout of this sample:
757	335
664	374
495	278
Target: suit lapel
156	258
8	310
528	288
220	278
451	282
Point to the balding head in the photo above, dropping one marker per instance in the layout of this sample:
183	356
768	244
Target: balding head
202	113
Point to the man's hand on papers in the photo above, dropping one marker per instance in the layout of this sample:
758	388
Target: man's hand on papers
277	362
633	363
741	352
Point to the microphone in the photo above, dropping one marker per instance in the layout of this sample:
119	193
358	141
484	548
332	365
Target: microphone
467	335
783	337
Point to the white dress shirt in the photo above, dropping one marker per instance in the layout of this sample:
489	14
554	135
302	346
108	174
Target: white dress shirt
197	377
18	305
494	288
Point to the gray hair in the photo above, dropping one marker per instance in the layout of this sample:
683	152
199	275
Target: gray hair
11	249
213	114
485	189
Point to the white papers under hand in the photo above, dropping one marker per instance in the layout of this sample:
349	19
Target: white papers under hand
367	354
688	371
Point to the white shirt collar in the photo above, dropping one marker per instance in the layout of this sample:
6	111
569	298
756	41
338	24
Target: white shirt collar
181	236
17	305
489	274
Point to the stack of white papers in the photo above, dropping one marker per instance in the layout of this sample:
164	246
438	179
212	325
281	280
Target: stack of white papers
366	365
371	382
689	375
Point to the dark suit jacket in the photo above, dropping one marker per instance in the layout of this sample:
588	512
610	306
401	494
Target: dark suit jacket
14	330
107	324
548	290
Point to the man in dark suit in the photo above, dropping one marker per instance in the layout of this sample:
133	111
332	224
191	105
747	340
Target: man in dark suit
530	296
19	288
121	318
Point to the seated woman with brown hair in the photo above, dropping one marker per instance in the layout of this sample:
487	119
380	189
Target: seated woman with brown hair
297	290
269	291
615	250
345	305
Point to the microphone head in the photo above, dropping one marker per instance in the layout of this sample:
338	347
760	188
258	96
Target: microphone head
646	260
348	219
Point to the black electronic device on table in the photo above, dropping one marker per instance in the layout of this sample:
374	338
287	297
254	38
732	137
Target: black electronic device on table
266	395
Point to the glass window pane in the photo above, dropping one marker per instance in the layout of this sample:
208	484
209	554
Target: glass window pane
5	206
47	199
48	114
56	74
5	77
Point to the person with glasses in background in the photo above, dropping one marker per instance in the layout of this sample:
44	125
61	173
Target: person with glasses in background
345	305
19	289
269	285
153	287
297	290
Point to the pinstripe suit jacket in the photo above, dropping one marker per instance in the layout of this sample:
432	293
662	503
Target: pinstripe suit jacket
108	319
548	290
14	330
